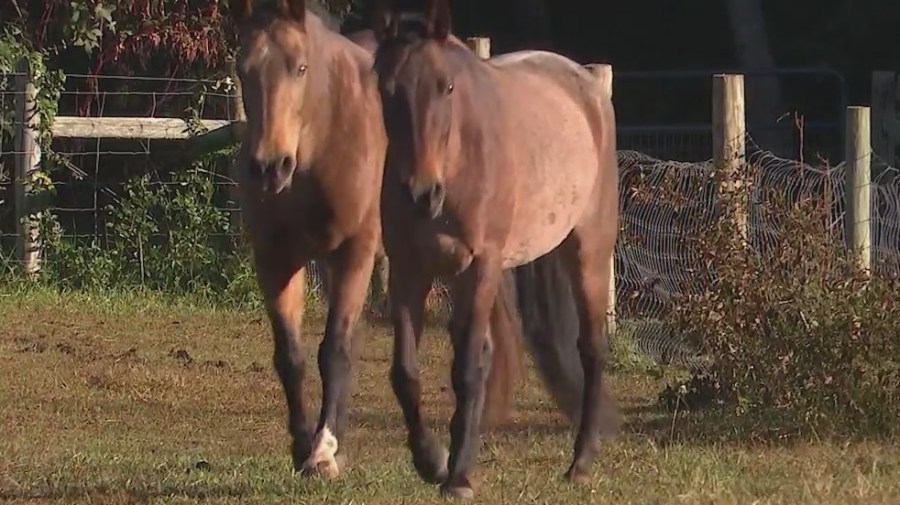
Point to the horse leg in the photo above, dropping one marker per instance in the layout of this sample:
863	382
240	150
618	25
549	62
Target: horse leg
408	287
284	290
587	254
350	268
473	299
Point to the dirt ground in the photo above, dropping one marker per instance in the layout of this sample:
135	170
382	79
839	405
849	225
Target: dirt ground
138	401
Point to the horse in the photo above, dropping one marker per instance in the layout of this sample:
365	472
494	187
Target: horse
309	172
311	166
501	176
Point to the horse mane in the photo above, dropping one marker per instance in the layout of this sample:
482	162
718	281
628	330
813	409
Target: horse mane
314	7
412	26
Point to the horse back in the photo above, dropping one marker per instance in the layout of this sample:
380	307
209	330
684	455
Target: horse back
561	140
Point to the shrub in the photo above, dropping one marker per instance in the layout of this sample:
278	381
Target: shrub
170	236
791	325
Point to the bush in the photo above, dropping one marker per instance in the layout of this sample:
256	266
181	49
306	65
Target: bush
792	326
169	236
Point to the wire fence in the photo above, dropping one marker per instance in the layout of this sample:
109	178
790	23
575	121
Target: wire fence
93	181
88	173
654	261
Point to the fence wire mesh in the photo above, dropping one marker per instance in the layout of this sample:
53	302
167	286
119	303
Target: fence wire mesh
654	262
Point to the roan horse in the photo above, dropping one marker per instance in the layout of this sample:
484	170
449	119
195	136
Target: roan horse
498	173
310	174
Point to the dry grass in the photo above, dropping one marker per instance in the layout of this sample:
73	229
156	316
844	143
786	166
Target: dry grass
117	400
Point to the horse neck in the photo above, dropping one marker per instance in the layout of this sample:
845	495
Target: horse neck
322	95
478	113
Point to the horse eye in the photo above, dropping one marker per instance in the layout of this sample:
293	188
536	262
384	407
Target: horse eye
301	70
449	88
445	87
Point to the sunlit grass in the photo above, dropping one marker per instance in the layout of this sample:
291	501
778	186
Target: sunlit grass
134	397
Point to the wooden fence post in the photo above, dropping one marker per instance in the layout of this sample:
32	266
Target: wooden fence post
858	154
28	160
729	146
480	45
885	121
604	73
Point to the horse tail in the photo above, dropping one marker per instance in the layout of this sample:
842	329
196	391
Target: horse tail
535	301
507	357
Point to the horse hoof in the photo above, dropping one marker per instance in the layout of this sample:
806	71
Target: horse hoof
330	468
577	476
457	492
431	463
324	459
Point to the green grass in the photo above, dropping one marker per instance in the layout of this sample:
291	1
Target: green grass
98	405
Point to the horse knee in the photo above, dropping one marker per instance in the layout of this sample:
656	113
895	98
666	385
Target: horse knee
289	366
287	356
405	380
334	353
471	370
593	352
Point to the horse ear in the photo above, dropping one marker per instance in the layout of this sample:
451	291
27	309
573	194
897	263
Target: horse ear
241	9
439	19
293	9
383	25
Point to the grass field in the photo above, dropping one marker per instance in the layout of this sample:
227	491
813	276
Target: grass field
129	399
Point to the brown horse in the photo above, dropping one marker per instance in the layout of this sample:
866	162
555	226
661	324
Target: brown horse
311	163
310	175
497	171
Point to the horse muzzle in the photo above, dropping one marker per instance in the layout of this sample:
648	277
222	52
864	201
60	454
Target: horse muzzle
428	198
273	174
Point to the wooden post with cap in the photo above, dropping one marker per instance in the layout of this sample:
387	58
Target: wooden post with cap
480	45
604	73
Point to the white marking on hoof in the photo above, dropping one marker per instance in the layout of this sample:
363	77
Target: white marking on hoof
322	459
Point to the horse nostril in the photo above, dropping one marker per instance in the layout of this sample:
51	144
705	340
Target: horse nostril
286	165
437	193
436	199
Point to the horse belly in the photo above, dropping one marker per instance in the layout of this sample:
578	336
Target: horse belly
556	174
